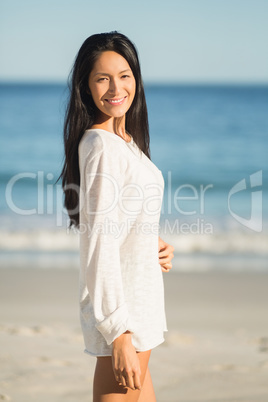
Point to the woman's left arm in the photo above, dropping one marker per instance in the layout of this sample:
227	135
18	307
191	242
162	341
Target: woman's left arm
165	255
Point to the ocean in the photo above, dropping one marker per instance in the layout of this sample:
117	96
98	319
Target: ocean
209	141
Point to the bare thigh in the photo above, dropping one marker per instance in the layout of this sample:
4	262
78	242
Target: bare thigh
147	392
107	389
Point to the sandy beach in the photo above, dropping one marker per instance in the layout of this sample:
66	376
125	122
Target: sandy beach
216	349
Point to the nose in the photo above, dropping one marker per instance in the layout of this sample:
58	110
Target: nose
114	87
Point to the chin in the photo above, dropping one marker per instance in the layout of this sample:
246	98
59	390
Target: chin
119	113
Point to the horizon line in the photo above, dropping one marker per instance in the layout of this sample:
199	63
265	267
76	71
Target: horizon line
146	82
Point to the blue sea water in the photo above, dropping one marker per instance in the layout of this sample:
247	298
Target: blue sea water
209	141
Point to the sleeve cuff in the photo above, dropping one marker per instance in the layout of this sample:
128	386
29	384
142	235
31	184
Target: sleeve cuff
115	325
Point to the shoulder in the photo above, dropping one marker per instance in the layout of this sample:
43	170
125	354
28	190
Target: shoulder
90	144
98	144
95	141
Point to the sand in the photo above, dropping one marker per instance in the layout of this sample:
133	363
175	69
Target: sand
216	349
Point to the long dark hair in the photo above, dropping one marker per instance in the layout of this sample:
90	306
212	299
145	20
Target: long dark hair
81	110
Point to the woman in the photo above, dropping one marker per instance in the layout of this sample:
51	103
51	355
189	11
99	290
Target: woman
113	194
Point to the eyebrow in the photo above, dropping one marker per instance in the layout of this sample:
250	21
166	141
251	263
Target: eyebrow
128	69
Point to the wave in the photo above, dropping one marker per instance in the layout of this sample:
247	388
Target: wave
39	240
64	240
235	242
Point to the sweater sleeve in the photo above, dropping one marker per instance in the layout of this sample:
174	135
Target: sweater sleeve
103	179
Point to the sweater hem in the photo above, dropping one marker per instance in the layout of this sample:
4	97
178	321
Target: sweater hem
144	349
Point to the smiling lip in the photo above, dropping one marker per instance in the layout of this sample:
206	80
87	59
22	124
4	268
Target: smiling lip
116	102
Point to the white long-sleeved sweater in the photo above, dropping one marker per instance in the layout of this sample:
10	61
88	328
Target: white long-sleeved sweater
121	283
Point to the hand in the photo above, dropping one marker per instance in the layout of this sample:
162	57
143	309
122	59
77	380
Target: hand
126	364
165	254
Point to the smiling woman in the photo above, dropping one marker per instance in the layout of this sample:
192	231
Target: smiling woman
112	86
108	177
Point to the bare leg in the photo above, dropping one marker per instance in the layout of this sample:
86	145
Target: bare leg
107	389
147	391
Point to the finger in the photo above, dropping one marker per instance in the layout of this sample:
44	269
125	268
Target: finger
166	266
165	260
166	271
165	246
117	375
169	265
162	253
165	253
137	380
123	381
130	382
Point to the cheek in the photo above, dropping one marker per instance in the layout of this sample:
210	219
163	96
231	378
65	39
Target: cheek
132	90
95	93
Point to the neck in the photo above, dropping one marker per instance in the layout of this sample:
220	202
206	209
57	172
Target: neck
113	124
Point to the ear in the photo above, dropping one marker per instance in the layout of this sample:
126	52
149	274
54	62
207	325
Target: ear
88	91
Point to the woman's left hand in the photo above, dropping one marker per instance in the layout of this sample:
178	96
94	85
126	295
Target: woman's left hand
165	255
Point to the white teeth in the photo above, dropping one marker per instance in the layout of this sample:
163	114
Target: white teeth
115	101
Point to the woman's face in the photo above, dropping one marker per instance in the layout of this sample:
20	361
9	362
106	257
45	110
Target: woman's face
112	84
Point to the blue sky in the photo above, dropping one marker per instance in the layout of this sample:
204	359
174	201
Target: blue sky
177	40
